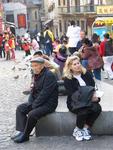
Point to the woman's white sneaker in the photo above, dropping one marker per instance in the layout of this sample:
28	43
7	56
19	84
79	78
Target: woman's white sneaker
78	134
86	134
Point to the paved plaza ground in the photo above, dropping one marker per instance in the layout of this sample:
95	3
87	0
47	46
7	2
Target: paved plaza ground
12	82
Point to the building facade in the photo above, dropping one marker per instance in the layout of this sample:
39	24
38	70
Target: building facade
33	13
1	17
60	12
16	17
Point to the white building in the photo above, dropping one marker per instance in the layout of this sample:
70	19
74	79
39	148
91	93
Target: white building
16	13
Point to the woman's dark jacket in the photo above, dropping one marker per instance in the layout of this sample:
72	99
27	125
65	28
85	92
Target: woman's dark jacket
72	85
45	90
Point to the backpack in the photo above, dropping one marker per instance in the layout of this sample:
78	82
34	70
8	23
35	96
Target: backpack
109	48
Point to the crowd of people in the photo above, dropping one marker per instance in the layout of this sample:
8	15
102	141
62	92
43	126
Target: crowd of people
94	54
9	43
74	58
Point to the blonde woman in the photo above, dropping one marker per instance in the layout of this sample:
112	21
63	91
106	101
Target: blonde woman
75	75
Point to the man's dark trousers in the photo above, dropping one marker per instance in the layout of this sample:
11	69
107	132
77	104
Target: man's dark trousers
26	117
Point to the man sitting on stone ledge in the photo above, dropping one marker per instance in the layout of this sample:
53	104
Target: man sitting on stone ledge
42	101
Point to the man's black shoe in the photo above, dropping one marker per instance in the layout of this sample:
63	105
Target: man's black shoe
16	135
21	139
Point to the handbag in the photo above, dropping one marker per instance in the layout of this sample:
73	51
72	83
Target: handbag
82	98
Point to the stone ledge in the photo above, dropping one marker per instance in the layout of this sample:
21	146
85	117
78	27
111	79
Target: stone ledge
62	122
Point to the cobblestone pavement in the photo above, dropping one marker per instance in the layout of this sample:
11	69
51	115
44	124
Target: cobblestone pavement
11	95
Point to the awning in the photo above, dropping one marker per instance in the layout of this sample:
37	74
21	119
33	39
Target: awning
10	24
48	21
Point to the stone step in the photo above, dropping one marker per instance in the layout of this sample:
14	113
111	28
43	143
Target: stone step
62	122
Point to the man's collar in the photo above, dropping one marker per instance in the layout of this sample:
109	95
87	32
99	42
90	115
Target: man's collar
41	73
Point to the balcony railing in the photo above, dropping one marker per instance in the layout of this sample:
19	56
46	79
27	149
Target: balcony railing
37	2
77	9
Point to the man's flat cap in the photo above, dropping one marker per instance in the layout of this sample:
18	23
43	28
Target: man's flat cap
38	60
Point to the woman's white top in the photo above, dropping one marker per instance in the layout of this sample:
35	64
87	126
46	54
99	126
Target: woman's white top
80	80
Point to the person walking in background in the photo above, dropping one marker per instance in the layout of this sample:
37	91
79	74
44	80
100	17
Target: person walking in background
6	35
18	42
84	53
60	57
106	51
56	46
1	40
27	36
38	38
5	38
26	48
42	40
7	50
63	37
96	43
83	36
73	34
91	59
3	47
34	44
95	40
49	39
75	75
12	45
95	61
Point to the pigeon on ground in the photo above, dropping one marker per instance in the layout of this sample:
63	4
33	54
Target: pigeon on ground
16	77
13	68
25	76
19	69
27	65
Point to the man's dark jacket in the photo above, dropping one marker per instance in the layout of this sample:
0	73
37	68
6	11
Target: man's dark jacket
45	90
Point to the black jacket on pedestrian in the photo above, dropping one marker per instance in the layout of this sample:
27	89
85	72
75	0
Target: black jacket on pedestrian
45	90
80	44
72	85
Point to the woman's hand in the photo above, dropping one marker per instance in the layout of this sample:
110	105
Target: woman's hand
95	98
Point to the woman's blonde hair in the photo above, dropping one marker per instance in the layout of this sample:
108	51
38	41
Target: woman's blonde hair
67	69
